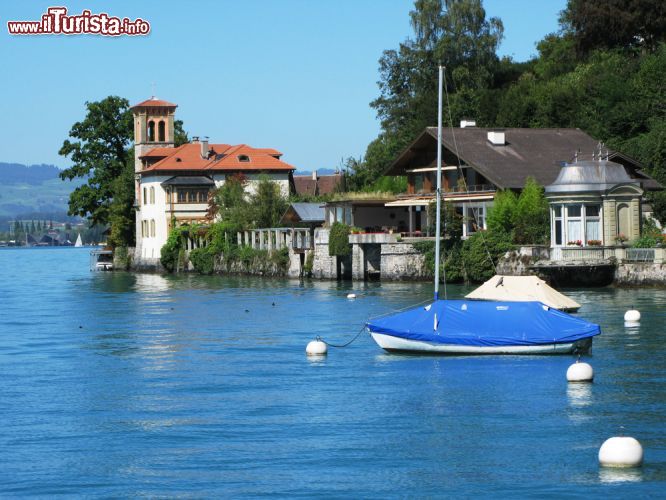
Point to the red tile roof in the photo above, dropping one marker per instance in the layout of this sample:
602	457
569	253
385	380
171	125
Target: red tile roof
154	102
221	157
157	153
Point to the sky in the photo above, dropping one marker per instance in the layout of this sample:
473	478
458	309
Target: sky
294	75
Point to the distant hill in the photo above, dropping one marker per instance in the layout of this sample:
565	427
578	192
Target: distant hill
320	171
15	173
33	192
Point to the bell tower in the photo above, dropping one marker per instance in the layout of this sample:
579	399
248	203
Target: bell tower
153	128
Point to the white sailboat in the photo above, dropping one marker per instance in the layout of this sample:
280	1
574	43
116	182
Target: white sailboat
79	241
474	326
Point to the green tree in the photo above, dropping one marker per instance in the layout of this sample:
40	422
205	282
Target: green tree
100	152
502	215
612	24
268	203
531	219
453	32
229	203
121	209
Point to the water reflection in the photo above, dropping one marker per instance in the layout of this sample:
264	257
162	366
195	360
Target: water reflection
619	475
579	394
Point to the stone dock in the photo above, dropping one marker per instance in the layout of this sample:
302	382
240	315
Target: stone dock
387	257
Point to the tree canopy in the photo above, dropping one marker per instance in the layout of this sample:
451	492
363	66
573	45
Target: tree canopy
603	72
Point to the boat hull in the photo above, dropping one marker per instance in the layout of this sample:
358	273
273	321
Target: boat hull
398	344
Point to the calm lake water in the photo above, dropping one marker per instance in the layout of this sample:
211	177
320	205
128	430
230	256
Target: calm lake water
115	384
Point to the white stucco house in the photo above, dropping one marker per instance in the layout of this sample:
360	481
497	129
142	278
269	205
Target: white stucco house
172	184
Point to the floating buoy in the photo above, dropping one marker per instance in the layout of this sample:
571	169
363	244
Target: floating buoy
632	316
316	348
351	295
580	372
621	452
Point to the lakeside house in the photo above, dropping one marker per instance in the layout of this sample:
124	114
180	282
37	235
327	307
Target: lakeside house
318	185
490	160
172	184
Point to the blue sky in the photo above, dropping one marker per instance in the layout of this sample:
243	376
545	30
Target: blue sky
295	75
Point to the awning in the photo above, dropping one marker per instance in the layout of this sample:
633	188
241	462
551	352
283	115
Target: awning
448	197
189	180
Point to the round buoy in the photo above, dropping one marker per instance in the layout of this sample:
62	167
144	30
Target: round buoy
316	348
621	452
580	372
351	295
632	316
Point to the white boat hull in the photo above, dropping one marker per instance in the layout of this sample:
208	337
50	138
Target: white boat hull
390	343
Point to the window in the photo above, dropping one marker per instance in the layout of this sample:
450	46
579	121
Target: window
243	158
152	228
592	223
145	196
192	195
152	195
160	131
143	230
151	131
557	215
574	224
476	219
418	183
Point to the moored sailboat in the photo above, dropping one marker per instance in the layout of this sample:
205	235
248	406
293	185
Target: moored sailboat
479	327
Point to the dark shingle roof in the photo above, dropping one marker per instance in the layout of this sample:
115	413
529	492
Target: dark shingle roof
325	184
536	152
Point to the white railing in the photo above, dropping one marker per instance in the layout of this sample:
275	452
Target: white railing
276	238
600	254
640	255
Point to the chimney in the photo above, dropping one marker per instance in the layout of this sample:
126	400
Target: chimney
465	123
314	175
204	148
496	137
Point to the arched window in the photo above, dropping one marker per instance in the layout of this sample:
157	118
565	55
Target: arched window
151	131
160	131
623	220
152	228
152	195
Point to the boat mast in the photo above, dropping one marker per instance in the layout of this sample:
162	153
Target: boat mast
438	193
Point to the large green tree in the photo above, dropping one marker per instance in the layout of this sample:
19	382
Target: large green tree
455	33
99	152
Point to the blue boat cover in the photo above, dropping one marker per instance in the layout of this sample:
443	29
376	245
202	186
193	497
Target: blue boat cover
485	323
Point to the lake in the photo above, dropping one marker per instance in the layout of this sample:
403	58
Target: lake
119	384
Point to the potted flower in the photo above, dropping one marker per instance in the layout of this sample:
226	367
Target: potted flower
575	243
594	243
621	239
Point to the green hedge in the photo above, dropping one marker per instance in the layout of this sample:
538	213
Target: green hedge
338	240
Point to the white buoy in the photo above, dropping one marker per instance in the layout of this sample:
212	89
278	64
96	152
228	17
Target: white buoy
351	295
632	316
580	372
316	348
621	452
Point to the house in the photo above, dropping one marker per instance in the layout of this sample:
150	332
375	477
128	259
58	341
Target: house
318	185
172	184
477	162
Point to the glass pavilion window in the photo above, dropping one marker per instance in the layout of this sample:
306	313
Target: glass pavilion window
576	224
592	223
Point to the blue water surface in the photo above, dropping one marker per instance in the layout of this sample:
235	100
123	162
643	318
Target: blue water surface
119	384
